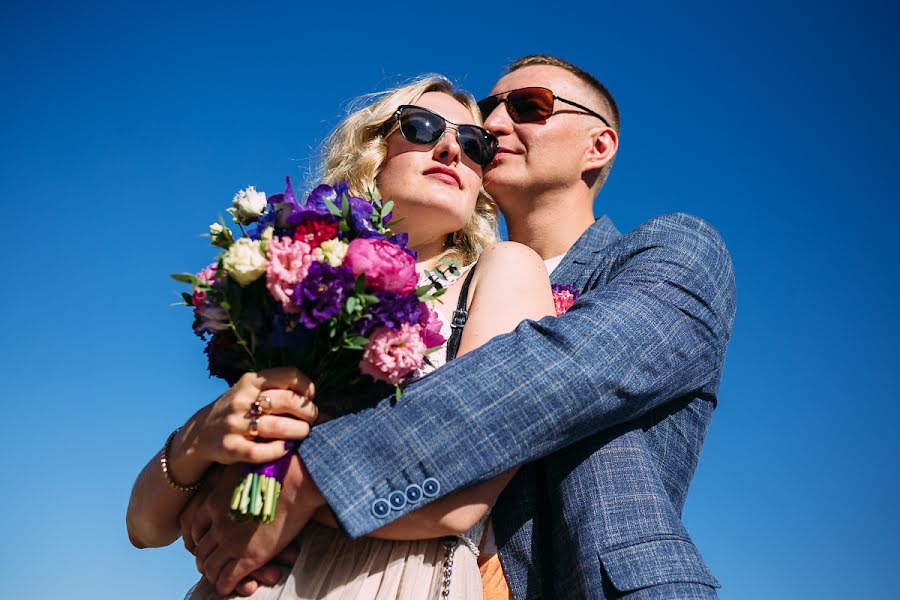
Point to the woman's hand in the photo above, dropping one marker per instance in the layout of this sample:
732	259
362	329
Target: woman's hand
222	432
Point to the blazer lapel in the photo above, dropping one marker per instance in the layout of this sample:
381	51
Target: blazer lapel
581	254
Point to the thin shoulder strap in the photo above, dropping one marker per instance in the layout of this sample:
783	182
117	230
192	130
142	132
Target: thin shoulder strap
460	316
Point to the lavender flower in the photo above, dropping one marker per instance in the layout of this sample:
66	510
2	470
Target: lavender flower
392	311
322	294
361	218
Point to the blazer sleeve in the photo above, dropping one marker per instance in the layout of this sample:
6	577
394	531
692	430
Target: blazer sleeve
651	326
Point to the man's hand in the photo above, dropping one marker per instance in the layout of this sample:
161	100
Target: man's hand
270	573
226	550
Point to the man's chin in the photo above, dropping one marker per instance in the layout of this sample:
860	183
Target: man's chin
499	180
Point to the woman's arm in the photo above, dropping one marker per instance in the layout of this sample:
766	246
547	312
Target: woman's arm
217	433
509	286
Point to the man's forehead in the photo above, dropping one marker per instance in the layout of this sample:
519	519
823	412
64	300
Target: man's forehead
559	80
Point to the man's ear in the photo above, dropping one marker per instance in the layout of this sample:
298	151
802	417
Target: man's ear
605	143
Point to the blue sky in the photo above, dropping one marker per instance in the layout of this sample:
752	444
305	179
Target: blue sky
126	128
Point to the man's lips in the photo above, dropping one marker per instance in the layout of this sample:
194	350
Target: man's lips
445	174
502	153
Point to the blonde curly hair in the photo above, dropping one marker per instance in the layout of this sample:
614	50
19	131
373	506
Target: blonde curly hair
356	149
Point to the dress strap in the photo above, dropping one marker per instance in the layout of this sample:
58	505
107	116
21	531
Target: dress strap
460	316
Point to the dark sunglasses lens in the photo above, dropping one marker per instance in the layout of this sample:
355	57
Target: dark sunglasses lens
487	106
530	104
420	126
478	144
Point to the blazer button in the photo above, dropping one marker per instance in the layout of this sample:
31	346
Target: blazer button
381	508
413	493
431	487
397	500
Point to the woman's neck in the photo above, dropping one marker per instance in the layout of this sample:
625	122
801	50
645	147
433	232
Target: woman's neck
428	254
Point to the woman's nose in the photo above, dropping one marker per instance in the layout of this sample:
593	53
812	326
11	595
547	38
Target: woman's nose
447	149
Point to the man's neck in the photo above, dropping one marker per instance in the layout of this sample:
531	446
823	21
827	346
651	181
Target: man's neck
550	226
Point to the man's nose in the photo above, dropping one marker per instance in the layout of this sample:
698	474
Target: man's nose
498	122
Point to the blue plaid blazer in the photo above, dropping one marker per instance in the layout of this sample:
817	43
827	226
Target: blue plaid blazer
608	405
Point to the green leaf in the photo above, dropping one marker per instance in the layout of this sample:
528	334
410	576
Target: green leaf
352	305
398	393
387	207
332	208
360	286
186	278
395	222
370	299
188	299
345	207
360	341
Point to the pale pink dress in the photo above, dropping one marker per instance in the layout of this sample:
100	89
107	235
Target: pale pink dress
332	566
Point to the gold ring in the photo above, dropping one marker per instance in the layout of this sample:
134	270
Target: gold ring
253	427
268	405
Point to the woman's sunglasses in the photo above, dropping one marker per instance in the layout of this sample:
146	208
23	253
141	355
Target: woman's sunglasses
529	105
421	126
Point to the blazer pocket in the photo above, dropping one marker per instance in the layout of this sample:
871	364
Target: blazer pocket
652	563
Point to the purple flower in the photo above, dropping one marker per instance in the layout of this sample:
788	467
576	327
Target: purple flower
392	311
285	206
361	218
402	239
321	295
316	200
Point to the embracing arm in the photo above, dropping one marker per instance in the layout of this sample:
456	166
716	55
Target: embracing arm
509	286
652	325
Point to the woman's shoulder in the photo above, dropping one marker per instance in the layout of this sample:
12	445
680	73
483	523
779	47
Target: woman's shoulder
505	255
508	264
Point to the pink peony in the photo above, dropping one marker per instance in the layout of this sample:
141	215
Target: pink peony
387	267
289	262
393	356
431	328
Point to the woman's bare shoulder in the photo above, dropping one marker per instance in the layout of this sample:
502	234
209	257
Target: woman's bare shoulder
512	266
510	255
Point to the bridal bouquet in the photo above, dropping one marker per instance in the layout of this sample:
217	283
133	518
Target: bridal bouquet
321	285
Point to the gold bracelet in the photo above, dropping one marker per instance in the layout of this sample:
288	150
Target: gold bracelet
164	463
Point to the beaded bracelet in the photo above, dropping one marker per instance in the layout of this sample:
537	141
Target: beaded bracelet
164	463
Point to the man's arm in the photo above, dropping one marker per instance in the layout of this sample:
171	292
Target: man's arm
653	326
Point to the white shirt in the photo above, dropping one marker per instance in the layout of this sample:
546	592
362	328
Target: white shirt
552	263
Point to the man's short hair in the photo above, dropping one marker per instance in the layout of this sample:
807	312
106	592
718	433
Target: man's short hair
603	95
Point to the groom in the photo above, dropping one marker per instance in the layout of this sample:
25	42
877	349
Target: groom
608	404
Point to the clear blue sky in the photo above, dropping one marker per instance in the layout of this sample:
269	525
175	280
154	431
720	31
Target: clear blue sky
127	127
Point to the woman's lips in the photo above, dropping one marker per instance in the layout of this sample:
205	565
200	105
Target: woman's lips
448	176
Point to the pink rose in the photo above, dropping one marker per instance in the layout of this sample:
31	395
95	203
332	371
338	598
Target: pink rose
431	328
289	262
393	356
387	267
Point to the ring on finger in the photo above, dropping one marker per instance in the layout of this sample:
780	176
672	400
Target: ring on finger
265	404
253	427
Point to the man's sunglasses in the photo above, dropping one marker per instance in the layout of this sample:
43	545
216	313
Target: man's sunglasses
529	105
421	126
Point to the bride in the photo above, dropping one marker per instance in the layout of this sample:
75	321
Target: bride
421	146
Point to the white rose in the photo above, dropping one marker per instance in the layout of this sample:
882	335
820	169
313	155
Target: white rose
245	261
333	252
216	229
247	206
